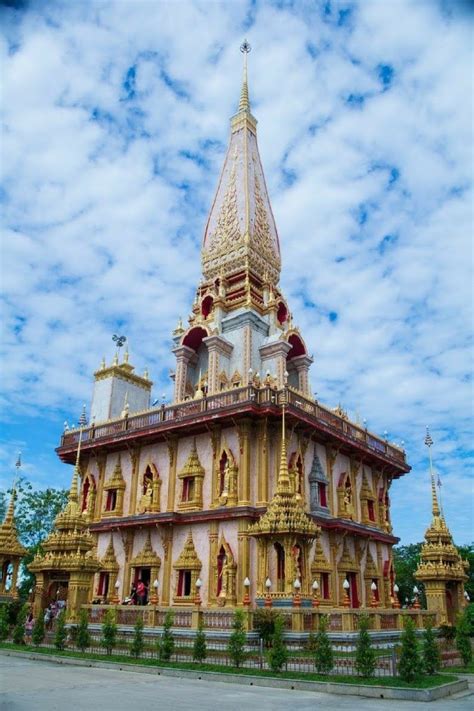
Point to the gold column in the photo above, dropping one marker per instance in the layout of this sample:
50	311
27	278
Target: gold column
331	455
127	542
335	592
167	541
243	563
262	564
244	469
172	453
213	543
135	459
101	465
355	465
262	463
216	448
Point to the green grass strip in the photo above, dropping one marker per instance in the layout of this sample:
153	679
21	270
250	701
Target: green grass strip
423	682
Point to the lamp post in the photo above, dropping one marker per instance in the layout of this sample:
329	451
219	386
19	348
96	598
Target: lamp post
373	599
396	601
154	596
268	597
416	603
315	587
197	599
246	600
116	599
466	597
346	601
297	596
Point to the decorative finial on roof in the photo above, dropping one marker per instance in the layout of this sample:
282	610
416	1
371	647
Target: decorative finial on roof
83	417
283	483
18	462
434	498
73	491
244	103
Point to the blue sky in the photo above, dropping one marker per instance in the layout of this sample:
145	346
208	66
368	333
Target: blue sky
115	122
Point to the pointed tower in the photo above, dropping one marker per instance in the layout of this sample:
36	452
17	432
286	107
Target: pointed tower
65	566
441	569
240	327
287	527
11	553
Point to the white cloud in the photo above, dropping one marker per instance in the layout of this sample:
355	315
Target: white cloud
114	126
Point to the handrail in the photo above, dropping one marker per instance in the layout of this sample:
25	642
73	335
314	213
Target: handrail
249	395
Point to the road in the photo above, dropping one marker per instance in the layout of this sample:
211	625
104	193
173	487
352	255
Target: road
27	685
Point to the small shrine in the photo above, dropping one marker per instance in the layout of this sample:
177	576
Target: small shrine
11	553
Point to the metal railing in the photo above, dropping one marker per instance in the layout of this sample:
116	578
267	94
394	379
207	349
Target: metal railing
249	395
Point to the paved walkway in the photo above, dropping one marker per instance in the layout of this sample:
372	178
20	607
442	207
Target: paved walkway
27	685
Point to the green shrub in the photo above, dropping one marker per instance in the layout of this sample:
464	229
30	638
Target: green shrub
4	623
238	639
264	619
109	632
199	646
83	638
430	652
136	648
310	644
19	629
38	634
463	640
278	654
166	643
323	654
365	654
60	635
409	666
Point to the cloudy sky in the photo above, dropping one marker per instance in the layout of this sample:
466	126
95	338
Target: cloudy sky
114	128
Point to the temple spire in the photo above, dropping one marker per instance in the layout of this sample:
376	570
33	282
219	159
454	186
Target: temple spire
73	491
244	103
434	498
283	484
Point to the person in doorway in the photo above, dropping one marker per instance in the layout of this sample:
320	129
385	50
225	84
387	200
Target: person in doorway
141	592
133	595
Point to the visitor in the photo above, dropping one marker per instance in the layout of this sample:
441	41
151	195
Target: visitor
141	592
47	618
29	626
133	595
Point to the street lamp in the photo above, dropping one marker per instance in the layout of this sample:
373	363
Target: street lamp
416	603
116	600
268	597
197	599
246	599
297	596
315	587
396	601
373	601
346	601
154	597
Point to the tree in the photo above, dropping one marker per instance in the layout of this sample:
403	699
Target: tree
19	629
238	639
430	651
83	638
136	648
467	553
463	641
199	646
60	635
166	643
38	634
323	654
109	632
365	654
405	561
4	622
278	654
410	664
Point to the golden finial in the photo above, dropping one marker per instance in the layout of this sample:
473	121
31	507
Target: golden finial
125	355
73	491
145	374
115	361
283	484
244	103
102	364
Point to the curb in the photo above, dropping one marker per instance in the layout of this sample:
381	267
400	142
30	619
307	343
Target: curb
328	687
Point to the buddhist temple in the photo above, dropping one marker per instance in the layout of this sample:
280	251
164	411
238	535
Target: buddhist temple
244	489
441	570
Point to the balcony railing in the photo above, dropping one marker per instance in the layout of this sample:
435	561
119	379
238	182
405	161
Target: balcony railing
236	398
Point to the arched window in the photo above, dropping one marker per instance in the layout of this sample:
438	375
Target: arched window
207	306
85	494
223	465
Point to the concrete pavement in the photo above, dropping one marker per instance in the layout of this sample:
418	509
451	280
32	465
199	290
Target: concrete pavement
27	685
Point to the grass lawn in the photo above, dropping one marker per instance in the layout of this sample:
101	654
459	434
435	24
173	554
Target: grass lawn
463	670
423	682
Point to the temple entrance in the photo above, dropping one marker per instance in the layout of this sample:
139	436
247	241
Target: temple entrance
280	586
143	574
452	608
6	576
103	586
57	591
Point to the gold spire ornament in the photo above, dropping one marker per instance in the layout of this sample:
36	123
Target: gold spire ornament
244	103
11	550
441	569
